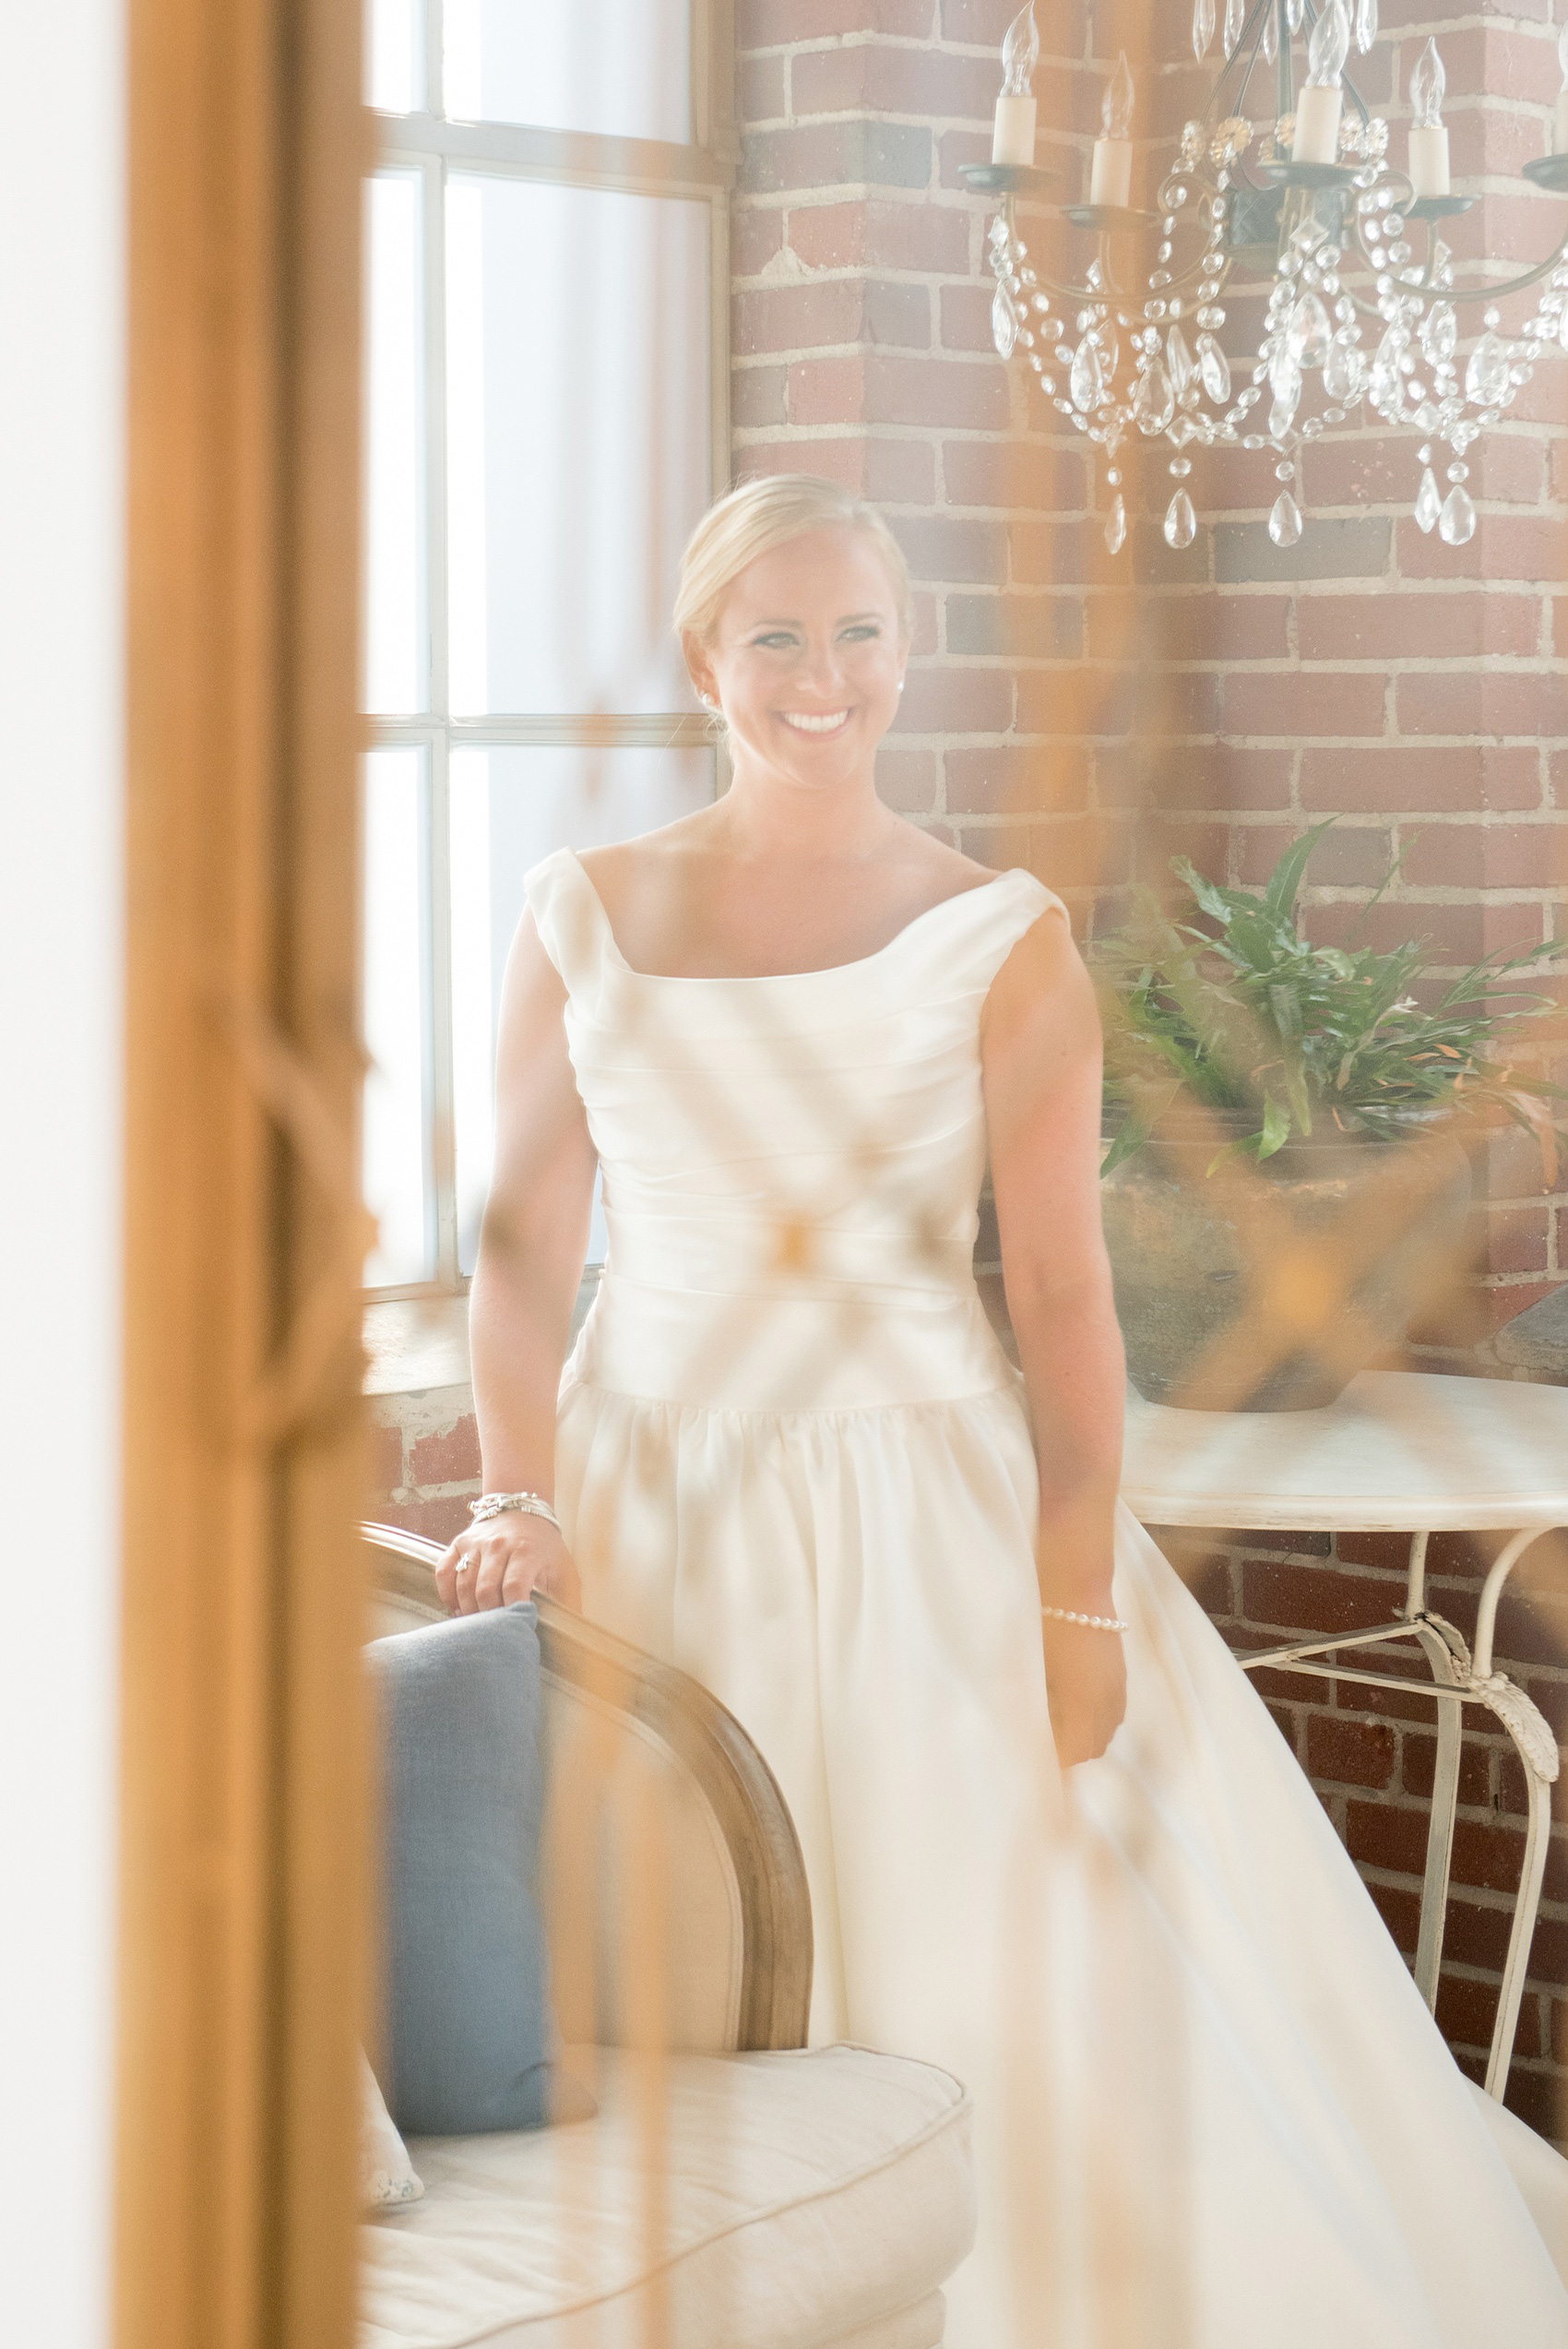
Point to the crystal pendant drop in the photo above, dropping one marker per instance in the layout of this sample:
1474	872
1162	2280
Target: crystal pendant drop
1342	373
1203	27
1366	24
1486	375
1084	380
1439	333
1294	11
1457	524
1562	327
1429	504
1386	381
1004	324
1116	526
1309	334
1215	369
1181	522
1154	403
1270	38
1235	22
1179	359
1285	382
1285	522
1284	374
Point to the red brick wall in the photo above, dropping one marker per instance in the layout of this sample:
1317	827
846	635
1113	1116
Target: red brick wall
1088	716
427	1462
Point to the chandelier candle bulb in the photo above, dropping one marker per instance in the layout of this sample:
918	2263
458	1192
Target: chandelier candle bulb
1013	138
1319	105
1428	159
1427	162
1559	120
1111	166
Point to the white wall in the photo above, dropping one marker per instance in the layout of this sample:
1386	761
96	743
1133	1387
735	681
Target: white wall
61	401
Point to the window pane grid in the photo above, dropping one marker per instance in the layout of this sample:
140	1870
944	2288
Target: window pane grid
489	557
400	1025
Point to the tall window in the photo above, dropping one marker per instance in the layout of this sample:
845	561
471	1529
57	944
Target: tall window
547	295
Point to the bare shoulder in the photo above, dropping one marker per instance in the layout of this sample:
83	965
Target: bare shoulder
1044	989
933	864
621	861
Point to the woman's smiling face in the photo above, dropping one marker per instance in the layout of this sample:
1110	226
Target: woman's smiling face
809	656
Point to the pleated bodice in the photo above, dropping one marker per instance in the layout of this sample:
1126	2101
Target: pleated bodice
813	1143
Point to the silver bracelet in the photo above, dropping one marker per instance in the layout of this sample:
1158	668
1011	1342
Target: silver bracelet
531	1505
1090	1622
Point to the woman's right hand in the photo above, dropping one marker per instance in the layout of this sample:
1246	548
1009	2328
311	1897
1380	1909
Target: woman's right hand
1086	1686
505	1558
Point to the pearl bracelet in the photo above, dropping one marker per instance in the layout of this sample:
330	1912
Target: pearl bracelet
1090	1622
495	1504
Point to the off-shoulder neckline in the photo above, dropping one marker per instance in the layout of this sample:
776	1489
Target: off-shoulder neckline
774	978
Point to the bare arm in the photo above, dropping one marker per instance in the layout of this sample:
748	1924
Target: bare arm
1041	1048
532	1244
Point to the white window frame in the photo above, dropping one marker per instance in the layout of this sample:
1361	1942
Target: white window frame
431	145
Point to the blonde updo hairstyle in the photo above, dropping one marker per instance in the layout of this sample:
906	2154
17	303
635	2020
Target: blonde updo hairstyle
760	515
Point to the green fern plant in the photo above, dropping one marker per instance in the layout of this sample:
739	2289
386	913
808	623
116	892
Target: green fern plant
1238	1012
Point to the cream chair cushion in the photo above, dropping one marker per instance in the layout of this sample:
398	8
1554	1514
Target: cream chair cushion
816	2200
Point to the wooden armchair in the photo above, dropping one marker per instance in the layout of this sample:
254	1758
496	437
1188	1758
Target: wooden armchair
734	2186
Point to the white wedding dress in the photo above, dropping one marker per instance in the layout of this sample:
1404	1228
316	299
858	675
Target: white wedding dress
1211	2109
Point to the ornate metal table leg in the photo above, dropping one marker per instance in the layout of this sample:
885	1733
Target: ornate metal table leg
1537	1748
1503	1567
1416	1588
1456	1683
1450	1661
1451	1666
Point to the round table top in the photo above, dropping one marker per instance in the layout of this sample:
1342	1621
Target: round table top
1400	1451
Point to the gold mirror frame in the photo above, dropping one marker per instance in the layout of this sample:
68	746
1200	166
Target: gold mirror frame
243	1894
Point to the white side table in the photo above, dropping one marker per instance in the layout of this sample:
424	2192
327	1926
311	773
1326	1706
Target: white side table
1400	1451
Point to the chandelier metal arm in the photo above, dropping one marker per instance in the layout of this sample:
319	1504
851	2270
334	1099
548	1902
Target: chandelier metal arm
1459	295
1427	283
1489	293
1110	291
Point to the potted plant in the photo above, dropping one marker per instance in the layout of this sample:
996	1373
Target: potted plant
1285	1186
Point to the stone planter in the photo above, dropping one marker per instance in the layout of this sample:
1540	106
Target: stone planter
1268	1287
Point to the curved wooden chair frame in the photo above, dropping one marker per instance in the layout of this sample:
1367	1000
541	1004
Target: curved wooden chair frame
709	1742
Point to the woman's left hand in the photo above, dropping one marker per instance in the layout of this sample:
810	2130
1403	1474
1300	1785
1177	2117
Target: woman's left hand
507	1557
1085	1680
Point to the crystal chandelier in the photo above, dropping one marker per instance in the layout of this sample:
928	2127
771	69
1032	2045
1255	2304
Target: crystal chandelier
1363	310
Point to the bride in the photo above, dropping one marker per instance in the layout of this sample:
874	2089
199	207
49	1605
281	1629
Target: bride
1053	1841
